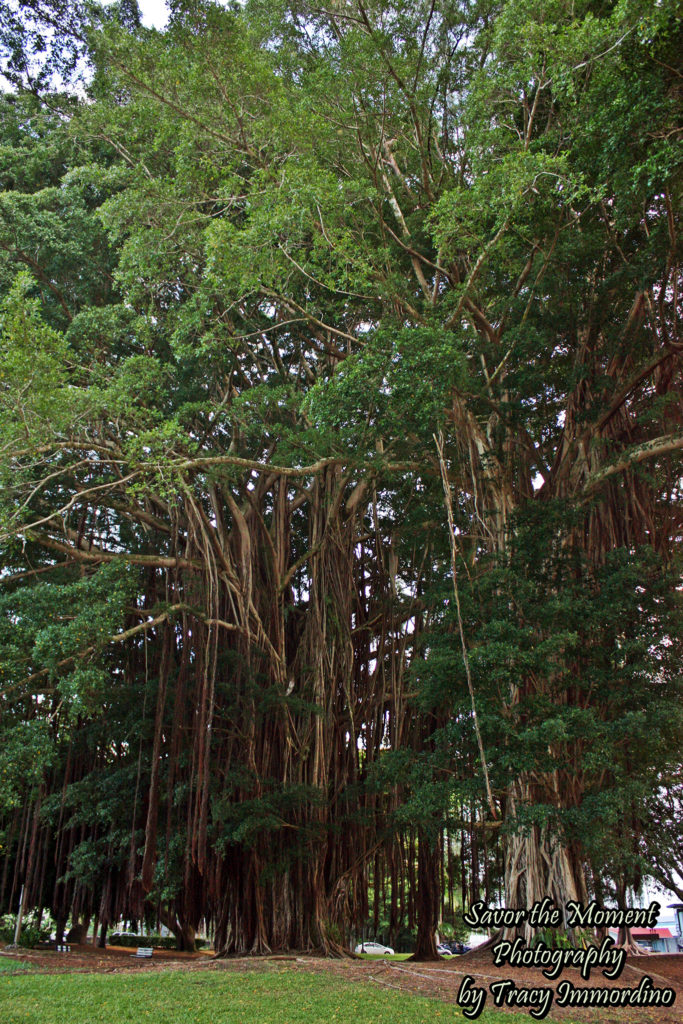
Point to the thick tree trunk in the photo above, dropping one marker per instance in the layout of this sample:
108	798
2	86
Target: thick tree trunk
428	898
291	912
186	937
183	931
539	864
78	931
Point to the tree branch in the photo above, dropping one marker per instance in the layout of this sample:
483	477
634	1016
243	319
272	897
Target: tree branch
648	450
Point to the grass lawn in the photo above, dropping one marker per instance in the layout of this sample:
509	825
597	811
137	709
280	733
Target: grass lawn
275	996
384	956
10	964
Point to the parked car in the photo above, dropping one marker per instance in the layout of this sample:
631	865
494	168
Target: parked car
376	948
458	947
444	950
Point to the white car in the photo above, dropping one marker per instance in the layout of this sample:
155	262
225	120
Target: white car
376	948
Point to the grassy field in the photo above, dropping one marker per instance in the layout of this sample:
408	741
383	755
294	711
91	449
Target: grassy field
275	996
384	956
12	966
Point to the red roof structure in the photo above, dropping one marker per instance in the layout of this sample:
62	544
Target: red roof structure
648	933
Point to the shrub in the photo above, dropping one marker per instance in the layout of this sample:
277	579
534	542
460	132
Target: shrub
31	932
155	941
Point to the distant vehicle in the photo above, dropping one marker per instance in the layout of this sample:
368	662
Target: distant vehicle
444	950
458	947
376	948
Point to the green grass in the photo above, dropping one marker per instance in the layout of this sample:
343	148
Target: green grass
273	996
8	963
384	956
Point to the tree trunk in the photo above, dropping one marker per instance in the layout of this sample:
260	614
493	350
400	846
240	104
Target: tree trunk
78	931
186	937
428	899
626	941
538	863
183	931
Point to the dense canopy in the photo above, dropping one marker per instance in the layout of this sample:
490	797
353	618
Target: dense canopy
340	448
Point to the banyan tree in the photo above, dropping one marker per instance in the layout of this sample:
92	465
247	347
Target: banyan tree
341	431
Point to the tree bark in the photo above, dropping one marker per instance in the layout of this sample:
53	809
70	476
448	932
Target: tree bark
539	863
428	897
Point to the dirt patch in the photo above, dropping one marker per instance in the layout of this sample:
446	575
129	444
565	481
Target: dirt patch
112	960
440	980
443	981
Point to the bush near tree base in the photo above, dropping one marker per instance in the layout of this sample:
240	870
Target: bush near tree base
155	941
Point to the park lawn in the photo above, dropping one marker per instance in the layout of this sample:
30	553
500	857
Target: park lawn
275	996
384	956
14	966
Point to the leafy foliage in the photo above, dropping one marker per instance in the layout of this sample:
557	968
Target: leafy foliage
250	275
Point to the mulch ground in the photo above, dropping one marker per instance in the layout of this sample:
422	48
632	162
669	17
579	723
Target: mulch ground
112	960
441	980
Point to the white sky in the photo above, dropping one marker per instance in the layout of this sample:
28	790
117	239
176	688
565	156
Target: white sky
154	13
